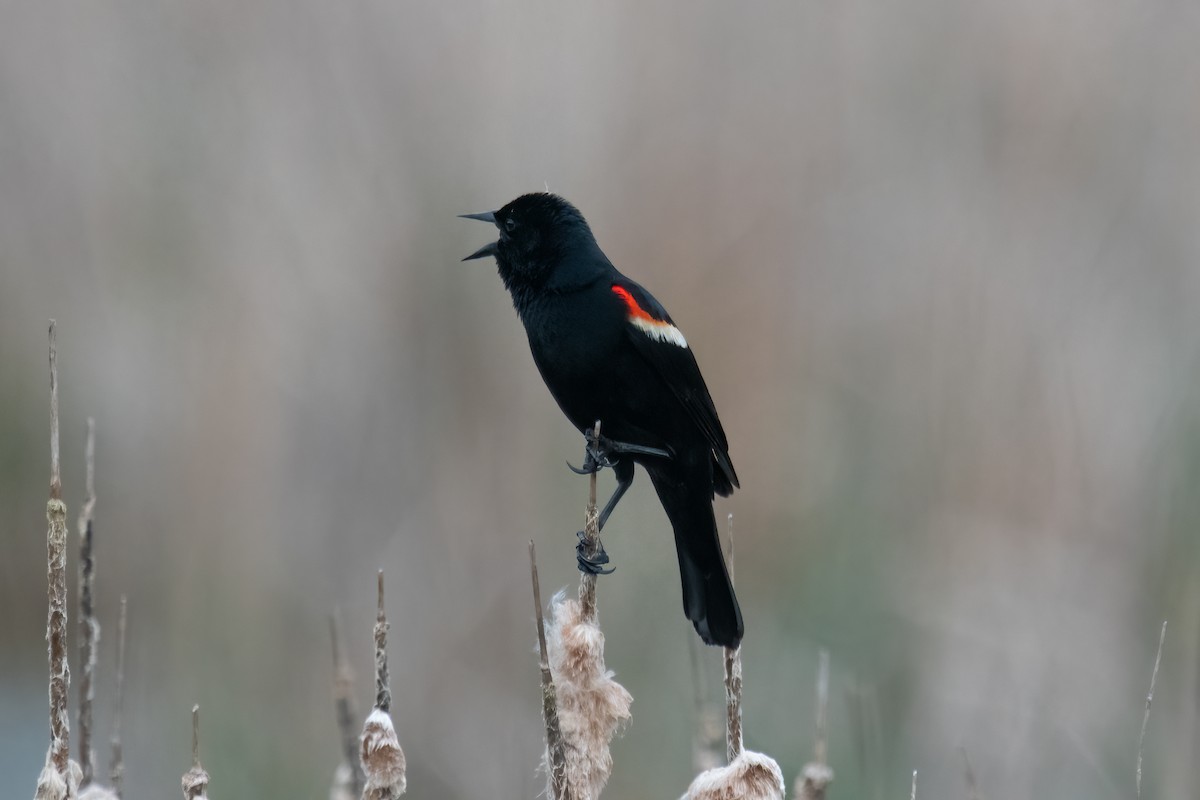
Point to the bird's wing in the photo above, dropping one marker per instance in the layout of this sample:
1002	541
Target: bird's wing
658	340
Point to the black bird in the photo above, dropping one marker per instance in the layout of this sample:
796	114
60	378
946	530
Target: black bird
609	351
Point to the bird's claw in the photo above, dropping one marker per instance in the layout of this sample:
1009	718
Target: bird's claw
589	465
591	563
595	458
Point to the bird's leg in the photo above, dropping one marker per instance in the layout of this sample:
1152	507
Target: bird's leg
623	448
598	453
593	563
624	471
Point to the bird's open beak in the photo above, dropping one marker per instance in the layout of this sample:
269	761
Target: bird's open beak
486	216
488	249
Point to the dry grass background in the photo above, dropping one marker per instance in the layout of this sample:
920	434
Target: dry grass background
939	261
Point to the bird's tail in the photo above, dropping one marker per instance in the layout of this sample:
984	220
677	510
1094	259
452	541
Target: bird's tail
708	598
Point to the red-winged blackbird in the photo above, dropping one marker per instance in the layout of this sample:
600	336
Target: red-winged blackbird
609	351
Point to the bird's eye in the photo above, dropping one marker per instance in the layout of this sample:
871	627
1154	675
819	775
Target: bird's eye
510	224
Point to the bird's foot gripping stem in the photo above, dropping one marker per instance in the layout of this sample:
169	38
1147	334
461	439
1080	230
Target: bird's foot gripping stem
591	561
601	452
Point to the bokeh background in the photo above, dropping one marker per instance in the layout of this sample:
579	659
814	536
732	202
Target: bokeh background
940	263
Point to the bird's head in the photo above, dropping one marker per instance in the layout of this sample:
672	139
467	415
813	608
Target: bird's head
537	233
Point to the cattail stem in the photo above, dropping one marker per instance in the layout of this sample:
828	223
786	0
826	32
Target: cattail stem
383	690
1149	699
55	471
969	776
89	628
196	736
554	739
733	681
820	749
816	776
591	543
383	762
544	658
706	743
866	729
733	702
56	575
116	768
195	780
343	693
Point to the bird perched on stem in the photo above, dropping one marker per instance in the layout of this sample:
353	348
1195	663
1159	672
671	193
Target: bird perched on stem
609	351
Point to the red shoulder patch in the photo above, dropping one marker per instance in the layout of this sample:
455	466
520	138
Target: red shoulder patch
635	310
641	319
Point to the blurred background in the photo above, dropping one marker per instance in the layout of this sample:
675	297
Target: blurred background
940	263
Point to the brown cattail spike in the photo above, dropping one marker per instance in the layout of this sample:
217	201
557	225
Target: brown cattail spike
591	705
750	776
383	760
